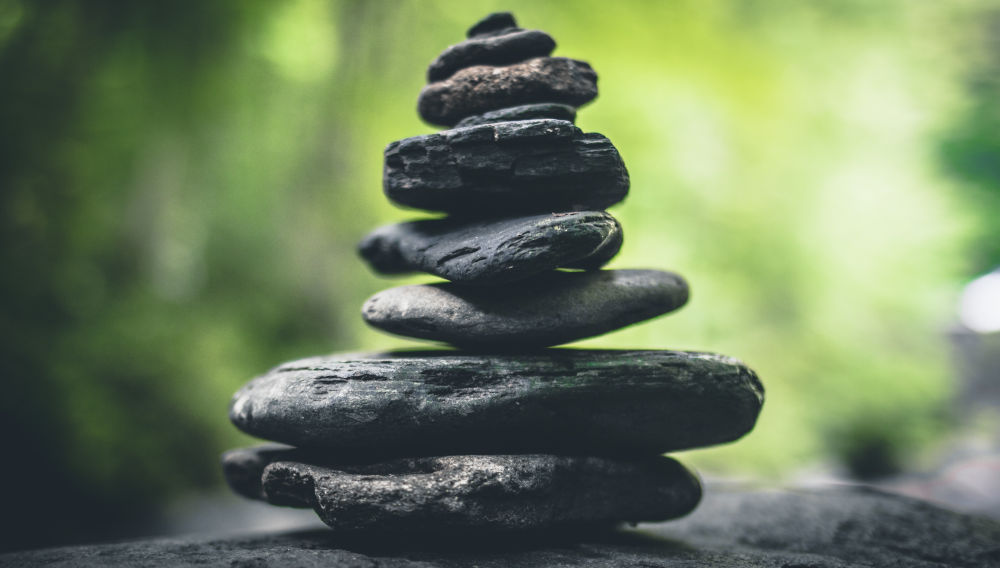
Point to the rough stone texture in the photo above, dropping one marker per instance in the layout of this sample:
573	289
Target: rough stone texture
494	252
832	528
561	401
476	492
520	166
242	468
497	22
550	309
482	88
522	112
513	46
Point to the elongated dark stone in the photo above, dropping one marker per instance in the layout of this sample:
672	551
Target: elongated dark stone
521	166
363	407
495	252
482	88
476	492
523	112
511	47
550	309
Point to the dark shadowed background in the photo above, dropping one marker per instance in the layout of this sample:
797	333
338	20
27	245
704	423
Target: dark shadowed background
183	184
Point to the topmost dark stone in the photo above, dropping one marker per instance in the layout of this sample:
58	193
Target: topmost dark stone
511	46
497	22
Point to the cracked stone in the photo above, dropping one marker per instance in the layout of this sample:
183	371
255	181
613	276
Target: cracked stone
538	166
363	407
483	88
494	252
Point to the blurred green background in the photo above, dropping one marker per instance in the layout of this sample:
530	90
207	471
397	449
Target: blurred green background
183	184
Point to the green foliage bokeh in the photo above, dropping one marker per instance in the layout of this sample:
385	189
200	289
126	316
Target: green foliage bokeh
184	182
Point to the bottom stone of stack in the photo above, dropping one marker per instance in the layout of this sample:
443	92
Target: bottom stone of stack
466	492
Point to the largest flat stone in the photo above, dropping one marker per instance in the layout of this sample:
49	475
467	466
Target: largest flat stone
497	251
590	402
843	527
482	88
540	165
464	493
550	309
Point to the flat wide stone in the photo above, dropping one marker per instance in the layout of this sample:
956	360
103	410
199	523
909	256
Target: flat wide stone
475	492
521	112
514	46
482	88
843	527
540	165
494	252
550	309
561	401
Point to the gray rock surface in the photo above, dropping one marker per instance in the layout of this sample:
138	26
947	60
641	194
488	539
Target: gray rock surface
364	407
242	468
550	309
520	166
494	252
843	527
476	492
495	23
513	46
522	112
482	88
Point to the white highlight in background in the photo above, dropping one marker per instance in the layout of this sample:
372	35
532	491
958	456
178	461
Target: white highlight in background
980	308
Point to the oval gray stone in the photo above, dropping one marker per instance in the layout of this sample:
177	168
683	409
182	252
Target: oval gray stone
513	46
522	112
480	492
550	309
523	166
482	88
494	252
591	402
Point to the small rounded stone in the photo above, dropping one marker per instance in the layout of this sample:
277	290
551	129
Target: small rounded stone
492	23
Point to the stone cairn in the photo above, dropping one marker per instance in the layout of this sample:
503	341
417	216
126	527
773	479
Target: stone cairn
503	433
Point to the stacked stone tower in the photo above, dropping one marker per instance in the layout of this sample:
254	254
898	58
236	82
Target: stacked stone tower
504	433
